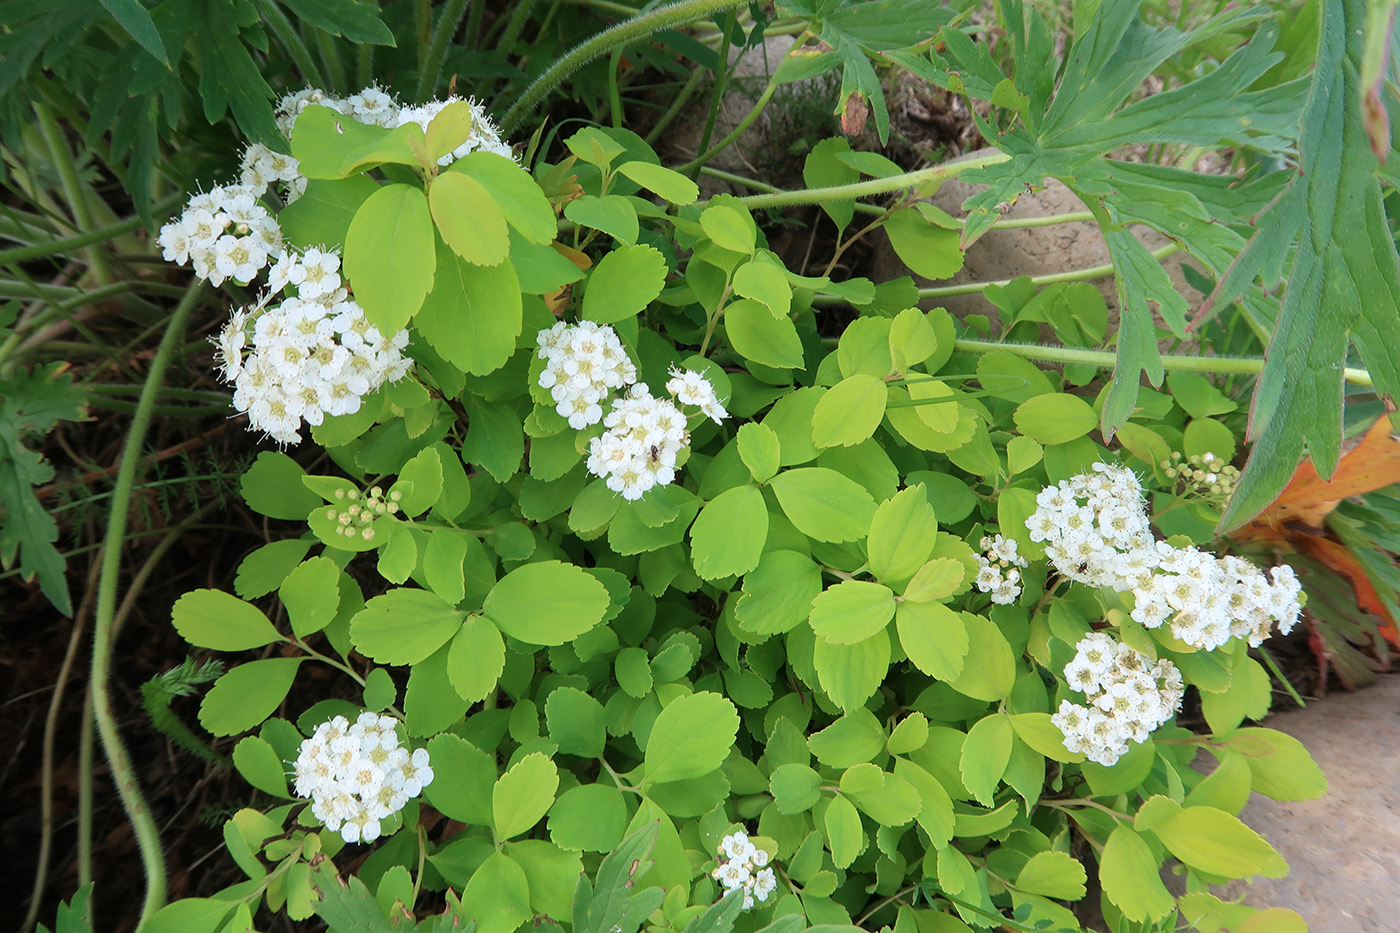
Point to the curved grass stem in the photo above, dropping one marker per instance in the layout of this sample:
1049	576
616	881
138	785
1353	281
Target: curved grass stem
124	775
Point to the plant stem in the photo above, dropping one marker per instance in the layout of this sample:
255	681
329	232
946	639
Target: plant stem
676	104
72	188
676	14
735	133
282	28
614	94
1106	359
58	247
142	824
330	54
722	72
1074	275
863	189
431	69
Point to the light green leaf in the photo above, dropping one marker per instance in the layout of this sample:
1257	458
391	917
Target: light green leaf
449	129
272	486
256	760
1130	877
1042	735
795	788
909	735
623	283
523	795
850	740
757	335
934	637
1279	766
1056	418
728	535
766	284
902	535
476	659
470	774
311	595
824	504
473	314
611	214
760	450
389	255
728	227
588	818
852	611
247	694
263	570
576	722
912	339
497	898
936	809
929	251
850	674
778	593
935	404
850	411
985	755
670	184
399	552
692	736
322	215
823	168
551	872
404	626
221	621
989	670
936	580
546	603
844	837
519	197
443	564
419	484
1215	842
468	219
1053	874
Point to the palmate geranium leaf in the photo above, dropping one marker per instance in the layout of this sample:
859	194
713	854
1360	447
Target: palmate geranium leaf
1343	286
229	78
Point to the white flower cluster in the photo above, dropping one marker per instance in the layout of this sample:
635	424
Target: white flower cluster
583	363
999	570
224	233
313	355
1096	530
375	107
262	167
1129	697
357	775
639	448
1208	600
741	866
691	388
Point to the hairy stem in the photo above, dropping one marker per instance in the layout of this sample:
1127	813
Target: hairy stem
431	69
675	14
863	189
1074	275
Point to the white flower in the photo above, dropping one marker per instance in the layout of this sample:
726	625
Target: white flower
1128	698
740	867
692	388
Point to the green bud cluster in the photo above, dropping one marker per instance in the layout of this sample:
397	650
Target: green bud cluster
357	518
1205	475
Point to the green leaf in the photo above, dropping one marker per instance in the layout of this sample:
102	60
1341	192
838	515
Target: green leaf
850	740
852	611
136	22
670	184
777	594
523	795
766	284
498	896
989	670
844	837
757	335
760	450
390	256
823	169
850	674
728	535
420	483
189	915
985	755
902	535
795	788
380	690
263	570
218	620
1042	735
934	637
576	722
1279	766
850	411
353	19
272	486
551	872
311	595
912	339
322	215
470	774
476	659
824	504
1130	877
930	251
495	438
468	219
443	565
404	626
230	78
692	736
247	694
258	763
910	735
1215	842
448	129
588	818
612	214
623	283
546	603
936	580
1053	874
936	810
729	228
519	197
1055	418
